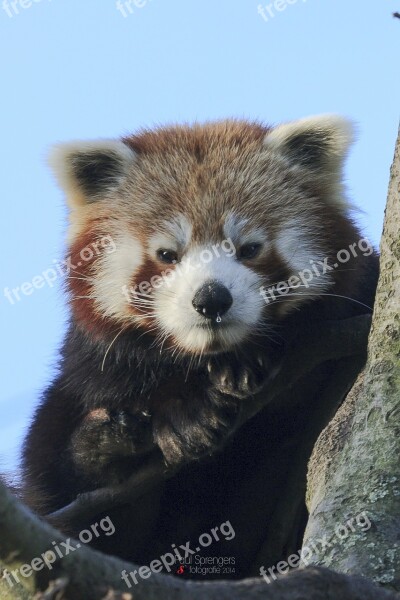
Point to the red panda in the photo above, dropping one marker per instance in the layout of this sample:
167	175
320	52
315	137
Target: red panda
187	253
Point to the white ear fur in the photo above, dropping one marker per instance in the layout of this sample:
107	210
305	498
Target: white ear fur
88	170
319	143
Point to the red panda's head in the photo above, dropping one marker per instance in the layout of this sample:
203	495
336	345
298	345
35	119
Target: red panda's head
175	231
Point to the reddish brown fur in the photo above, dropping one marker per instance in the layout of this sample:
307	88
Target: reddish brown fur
197	140
188	169
79	285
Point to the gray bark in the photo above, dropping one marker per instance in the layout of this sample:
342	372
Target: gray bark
355	465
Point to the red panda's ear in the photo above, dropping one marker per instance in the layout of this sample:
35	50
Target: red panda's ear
87	171
318	144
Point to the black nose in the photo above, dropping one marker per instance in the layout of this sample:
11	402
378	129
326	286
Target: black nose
212	300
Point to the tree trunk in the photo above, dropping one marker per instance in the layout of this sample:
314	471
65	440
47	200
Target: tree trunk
355	466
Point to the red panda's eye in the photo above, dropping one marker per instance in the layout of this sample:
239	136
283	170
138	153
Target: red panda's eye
248	251
167	256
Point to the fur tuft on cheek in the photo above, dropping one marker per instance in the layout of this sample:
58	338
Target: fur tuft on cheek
100	265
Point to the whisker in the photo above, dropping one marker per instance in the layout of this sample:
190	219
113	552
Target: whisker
109	348
319	294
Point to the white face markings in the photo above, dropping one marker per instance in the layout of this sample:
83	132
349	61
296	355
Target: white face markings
173	300
233	226
170	302
293	245
297	246
237	229
177	316
173	235
114	271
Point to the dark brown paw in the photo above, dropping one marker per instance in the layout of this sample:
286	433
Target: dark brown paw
239	378
105	436
195	425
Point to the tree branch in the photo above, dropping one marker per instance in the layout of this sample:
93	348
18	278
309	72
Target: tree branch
87	574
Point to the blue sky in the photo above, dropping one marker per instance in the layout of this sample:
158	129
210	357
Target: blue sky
74	69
